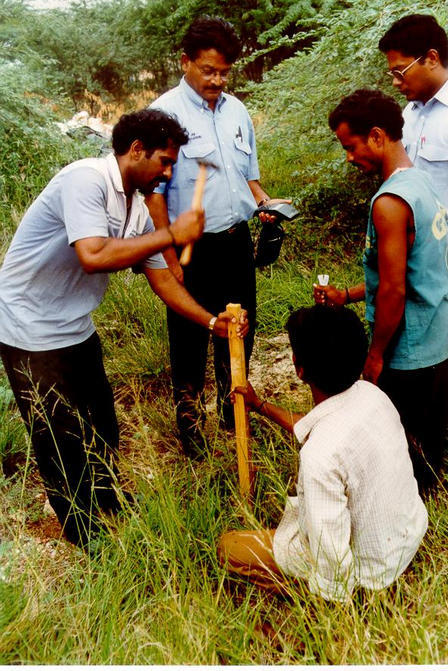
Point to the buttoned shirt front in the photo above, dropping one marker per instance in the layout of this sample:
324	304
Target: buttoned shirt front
357	517
224	137
425	138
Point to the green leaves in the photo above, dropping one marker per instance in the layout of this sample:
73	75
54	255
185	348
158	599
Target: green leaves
298	154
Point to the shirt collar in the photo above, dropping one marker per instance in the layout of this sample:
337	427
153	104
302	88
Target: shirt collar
441	96
196	99
304	426
114	172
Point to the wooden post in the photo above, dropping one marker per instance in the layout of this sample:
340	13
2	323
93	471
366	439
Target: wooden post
238	369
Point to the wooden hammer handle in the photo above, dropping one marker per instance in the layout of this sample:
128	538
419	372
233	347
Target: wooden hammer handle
196	204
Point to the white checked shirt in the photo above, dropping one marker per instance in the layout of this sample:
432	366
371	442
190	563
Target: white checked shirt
357	517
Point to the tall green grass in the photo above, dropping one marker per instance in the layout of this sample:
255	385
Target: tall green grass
155	594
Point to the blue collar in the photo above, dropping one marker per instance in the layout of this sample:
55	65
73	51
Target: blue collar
196	99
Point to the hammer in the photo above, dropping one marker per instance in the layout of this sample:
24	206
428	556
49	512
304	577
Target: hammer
196	203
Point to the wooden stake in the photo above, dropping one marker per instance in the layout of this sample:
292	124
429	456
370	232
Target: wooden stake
238	369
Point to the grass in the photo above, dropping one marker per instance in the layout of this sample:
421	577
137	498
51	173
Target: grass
154	592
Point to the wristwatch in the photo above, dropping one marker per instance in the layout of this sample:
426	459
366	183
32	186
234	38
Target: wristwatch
211	324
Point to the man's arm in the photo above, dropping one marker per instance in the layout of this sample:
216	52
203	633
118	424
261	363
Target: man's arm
331	296
104	254
258	192
392	219
158	210
284	418
262	198
174	294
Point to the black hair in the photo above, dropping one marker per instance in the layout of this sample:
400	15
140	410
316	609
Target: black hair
211	32
330	344
414	35
366	108
154	128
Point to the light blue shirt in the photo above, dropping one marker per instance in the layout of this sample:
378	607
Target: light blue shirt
225	137
425	138
422	338
45	295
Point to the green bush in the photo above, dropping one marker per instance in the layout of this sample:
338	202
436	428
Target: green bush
32	148
299	155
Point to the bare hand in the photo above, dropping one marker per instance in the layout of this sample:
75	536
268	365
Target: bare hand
373	367
329	295
221	326
188	227
264	217
251	399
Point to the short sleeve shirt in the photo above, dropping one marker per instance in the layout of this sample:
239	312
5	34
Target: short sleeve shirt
45	295
224	137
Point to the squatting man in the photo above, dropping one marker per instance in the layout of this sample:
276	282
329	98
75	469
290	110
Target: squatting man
88	221
357	519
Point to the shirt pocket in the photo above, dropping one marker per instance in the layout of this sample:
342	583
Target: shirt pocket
433	152
192	155
242	155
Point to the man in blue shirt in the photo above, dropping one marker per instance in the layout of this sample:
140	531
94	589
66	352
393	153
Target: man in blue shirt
416	48
88	221
222	266
406	277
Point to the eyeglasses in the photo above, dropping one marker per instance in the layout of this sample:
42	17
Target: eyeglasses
399	74
209	73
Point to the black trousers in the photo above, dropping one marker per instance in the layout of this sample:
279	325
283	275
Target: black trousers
67	404
421	398
221	271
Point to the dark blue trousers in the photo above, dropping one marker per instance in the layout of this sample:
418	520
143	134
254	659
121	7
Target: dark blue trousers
221	271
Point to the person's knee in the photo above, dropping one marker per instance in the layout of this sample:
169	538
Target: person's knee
246	548
224	547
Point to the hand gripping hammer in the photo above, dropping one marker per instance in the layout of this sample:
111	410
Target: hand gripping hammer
196	203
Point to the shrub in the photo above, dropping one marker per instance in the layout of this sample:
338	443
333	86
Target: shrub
291	107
